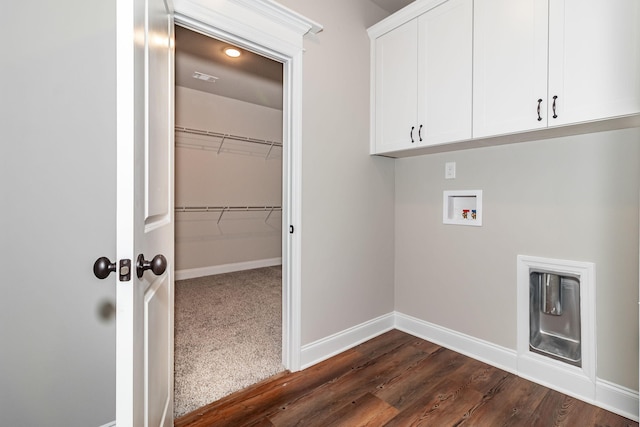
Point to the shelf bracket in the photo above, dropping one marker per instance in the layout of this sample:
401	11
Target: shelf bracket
270	212
269	152
222	213
220	147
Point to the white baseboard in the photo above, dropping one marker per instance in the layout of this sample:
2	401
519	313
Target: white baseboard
325	348
617	399
484	351
225	268
609	396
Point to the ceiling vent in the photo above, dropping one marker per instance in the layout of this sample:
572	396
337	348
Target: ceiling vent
205	77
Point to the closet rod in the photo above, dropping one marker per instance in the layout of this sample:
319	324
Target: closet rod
227	136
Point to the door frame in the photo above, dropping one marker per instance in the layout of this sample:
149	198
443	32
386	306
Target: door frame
275	32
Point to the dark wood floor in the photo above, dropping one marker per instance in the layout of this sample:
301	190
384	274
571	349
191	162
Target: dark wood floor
400	380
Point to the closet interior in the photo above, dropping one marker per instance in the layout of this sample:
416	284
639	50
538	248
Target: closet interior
228	188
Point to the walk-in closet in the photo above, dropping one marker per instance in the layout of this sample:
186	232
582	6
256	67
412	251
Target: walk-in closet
228	219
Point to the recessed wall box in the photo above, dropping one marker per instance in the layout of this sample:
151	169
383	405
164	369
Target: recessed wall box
462	207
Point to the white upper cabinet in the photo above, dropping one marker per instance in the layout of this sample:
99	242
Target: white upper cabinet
446	73
422	79
510	66
396	97
594	59
541	63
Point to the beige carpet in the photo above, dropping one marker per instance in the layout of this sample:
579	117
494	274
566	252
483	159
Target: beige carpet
227	334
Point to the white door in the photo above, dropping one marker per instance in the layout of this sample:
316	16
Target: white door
509	66
144	322
594	59
445	39
396	95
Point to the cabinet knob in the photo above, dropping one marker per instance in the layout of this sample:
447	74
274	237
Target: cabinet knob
411	134
555	116
420	133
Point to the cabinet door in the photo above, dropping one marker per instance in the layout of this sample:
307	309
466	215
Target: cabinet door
510	66
445	40
396	99
594	59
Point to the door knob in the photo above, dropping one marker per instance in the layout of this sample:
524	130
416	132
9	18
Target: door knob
103	267
157	265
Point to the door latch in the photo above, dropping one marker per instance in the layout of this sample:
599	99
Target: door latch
125	270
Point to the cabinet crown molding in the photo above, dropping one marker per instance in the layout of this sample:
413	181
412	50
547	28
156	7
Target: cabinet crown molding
405	14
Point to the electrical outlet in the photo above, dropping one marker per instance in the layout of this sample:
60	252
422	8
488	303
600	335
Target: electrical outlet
450	170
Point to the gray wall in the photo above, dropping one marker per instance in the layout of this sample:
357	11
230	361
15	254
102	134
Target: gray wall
347	196
240	177
571	198
57	206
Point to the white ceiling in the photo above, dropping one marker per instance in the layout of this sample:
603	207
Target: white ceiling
250	78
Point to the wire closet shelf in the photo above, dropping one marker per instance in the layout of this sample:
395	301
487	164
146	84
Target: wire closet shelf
223	137
223	209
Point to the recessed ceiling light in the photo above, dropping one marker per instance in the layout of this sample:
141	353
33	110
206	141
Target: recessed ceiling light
206	77
232	52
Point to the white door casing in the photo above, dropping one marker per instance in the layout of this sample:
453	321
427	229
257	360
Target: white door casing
276	32
144	319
